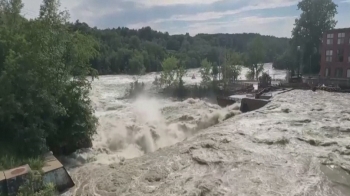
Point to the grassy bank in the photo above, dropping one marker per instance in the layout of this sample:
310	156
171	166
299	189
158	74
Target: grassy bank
10	159
34	185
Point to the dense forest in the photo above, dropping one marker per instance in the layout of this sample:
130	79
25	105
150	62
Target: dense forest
124	50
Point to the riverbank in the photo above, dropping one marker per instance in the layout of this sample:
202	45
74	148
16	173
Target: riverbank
290	142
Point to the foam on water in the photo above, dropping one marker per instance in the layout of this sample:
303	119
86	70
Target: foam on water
278	150
296	145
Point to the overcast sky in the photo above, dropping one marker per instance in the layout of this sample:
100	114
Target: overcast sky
269	17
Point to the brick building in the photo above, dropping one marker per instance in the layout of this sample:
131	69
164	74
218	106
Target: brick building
335	54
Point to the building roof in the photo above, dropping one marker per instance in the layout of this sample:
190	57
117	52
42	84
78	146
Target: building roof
337	30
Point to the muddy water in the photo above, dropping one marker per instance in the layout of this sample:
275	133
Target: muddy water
296	145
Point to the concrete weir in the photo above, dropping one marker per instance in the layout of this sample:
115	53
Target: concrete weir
53	172
2	183
249	104
14	178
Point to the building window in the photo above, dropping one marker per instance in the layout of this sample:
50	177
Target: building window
338	72
330	38
341	38
329	55
348	73
340	53
327	72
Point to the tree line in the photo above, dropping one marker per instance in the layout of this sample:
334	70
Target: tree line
232	63
130	51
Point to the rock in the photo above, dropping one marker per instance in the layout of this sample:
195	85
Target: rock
331	143
286	110
310	141
345	152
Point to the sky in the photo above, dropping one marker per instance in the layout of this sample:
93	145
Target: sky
267	17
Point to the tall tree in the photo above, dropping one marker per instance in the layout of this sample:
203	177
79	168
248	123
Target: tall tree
168	75
205	71
255	57
316	18
232	66
136	66
44	93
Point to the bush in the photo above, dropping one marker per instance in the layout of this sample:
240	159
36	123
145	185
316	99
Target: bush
135	89
34	186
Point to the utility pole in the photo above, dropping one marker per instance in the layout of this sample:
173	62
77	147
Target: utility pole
300	61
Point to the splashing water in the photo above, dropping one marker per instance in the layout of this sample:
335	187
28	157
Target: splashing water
129	129
296	145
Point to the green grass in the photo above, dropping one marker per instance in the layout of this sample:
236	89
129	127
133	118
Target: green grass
9	159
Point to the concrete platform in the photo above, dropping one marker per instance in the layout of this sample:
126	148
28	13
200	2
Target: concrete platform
15	178
249	104
2	183
55	173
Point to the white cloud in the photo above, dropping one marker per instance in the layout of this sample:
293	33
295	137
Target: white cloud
254	5
95	13
249	24
32	7
151	3
345	1
88	14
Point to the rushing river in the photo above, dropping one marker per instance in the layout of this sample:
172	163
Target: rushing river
297	145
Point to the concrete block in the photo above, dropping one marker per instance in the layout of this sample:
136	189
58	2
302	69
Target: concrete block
15	178
2	183
249	104
55	173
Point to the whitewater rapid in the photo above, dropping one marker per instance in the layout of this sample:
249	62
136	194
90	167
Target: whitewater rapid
296	145
131	128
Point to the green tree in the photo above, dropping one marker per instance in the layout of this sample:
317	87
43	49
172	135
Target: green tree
231	67
255	57
44	93
180	72
158	45
135	42
287	60
205	71
317	17
136	66
170	68
215	71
